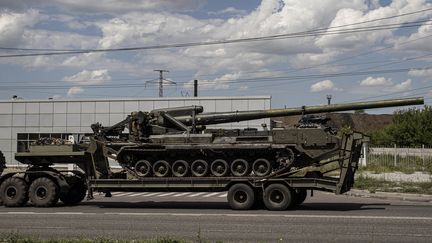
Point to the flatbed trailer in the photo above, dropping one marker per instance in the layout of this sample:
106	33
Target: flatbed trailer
279	191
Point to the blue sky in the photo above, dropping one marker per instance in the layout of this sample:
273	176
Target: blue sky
363	65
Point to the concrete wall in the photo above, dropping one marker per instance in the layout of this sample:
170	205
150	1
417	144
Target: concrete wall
34	118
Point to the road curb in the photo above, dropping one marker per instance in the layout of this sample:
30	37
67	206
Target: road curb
391	195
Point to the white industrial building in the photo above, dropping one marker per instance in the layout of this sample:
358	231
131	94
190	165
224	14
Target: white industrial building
24	121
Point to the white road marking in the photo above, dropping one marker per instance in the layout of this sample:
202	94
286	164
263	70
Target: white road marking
277	216
211	194
123	194
182	194
196	194
226	215
165	194
116	193
223	195
152	194
138	194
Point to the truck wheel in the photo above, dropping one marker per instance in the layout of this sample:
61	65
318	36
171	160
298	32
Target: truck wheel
14	192
277	197
241	197
299	196
75	195
44	192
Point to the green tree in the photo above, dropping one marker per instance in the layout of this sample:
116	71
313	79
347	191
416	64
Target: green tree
411	127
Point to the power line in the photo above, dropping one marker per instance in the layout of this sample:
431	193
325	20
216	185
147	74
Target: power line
294	79
317	32
233	40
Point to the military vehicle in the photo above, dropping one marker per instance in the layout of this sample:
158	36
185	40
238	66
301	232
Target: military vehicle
172	150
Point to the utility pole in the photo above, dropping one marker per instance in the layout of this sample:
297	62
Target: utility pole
195	88
329	97
161	79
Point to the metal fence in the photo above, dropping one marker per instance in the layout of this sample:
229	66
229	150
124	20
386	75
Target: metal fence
404	159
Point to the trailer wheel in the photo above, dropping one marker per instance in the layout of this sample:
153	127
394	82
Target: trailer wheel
75	195
241	197
14	192
277	197
299	196
44	192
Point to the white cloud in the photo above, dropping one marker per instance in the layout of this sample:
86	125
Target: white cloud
322	86
222	82
379	81
403	86
229	11
74	91
418	41
243	88
354	15
425	72
13	26
107	6
86	77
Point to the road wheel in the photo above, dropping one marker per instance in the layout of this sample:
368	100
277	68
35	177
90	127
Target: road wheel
75	195
180	168
277	197
241	197
219	168
14	192
44	192
199	168
261	167
240	167
143	168
161	168
299	196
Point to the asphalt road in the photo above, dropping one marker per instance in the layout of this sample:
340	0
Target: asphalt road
206	216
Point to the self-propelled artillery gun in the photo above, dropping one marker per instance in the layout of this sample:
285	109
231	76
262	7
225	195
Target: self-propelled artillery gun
172	150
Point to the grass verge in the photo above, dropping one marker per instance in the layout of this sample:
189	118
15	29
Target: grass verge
374	185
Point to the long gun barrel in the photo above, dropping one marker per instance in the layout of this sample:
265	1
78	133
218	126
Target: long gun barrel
237	116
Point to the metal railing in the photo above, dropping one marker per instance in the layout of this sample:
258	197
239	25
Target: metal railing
403	159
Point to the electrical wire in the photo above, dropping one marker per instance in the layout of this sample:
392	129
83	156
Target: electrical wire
192	44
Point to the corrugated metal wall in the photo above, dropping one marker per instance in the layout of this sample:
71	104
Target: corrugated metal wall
76	116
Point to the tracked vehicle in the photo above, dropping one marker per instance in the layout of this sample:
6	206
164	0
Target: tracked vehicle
172	150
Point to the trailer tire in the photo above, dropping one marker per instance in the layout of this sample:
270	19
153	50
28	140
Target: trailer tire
75	195
277	197
241	197
14	192
44	192
299	196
